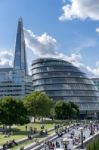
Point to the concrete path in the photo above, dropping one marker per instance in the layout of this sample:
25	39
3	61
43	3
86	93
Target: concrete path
75	140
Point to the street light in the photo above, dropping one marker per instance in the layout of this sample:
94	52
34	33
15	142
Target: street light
82	144
91	133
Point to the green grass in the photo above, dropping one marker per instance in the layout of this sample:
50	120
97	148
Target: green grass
31	141
20	131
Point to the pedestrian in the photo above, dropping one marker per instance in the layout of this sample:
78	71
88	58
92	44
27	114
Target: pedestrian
4	147
26	128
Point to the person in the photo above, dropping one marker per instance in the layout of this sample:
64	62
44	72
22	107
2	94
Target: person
65	146
26	128
57	144
42	126
10	144
51	146
31	130
29	137
4	147
22	148
45	145
84	137
13	141
35	130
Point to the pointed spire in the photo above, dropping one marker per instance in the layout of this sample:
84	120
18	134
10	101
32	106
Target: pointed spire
20	52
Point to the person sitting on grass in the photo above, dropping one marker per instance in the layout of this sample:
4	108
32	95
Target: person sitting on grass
10	144
41	132
29	137
42	126
22	148
4	147
14	143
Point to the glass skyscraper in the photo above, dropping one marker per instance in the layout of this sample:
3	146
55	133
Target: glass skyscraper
61	80
20	52
15	81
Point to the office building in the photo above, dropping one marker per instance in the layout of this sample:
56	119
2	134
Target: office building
61	80
15	81
96	82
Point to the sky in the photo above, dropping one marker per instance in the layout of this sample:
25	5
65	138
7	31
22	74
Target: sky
64	29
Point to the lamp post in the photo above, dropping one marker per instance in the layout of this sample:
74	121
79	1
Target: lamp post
91	128
82	144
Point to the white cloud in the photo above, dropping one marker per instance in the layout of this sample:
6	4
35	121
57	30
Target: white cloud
40	45
91	72
47	46
97	30
6	57
80	9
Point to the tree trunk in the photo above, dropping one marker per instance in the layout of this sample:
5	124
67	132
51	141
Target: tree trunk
34	119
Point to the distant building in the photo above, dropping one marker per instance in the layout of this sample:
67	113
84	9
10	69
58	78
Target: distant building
15	81
60	80
96	82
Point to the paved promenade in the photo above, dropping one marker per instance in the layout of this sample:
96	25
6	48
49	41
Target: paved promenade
73	136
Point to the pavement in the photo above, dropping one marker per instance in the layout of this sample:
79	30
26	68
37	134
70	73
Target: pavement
73	135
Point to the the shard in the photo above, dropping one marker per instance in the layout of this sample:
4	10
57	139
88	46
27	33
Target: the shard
20	61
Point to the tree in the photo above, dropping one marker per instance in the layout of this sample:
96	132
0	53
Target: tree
65	110
22	116
52	113
12	111
61	110
75	110
38	104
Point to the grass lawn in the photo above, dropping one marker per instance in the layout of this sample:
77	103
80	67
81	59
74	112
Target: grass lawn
20	131
31	141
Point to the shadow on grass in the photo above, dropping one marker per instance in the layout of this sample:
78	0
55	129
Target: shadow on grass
15	131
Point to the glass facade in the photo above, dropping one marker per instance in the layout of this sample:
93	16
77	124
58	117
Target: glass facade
20	52
96	82
15	81
60	80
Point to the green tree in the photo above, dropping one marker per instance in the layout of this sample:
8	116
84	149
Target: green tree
61	110
65	110
38	104
74	110
12	111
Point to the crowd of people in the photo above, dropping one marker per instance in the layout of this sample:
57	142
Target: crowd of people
9	144
73	135
51	146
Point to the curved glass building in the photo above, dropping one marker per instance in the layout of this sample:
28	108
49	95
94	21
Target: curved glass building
60	80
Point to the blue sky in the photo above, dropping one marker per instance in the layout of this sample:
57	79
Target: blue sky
63	28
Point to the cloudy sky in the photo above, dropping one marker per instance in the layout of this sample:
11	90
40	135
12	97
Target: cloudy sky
65	29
